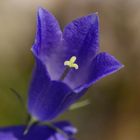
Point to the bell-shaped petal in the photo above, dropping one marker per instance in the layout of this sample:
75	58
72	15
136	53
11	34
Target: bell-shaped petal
48	42
40	80
82	38
48	34
102	65
39	132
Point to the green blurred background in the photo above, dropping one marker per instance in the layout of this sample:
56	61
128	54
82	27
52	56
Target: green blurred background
114	112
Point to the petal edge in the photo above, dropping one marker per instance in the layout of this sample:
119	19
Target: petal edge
102	65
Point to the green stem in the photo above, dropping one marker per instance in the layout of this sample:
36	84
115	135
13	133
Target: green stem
31	122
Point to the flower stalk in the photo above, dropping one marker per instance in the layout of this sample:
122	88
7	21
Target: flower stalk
32	121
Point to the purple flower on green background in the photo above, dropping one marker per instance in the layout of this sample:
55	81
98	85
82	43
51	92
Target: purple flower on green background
39	132
67	64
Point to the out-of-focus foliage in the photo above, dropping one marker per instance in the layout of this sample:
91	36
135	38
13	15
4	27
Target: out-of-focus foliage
114	112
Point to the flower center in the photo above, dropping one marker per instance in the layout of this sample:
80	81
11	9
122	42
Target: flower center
69	65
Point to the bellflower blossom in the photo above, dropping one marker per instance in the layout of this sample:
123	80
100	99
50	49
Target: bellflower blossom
39	132
67	64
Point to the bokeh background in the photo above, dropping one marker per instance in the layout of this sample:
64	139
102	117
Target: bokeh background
114	112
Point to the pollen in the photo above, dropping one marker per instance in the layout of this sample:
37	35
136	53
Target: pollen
71	63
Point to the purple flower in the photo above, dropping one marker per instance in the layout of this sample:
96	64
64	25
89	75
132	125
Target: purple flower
40	132
67	63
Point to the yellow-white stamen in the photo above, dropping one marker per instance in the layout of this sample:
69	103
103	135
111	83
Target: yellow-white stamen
71	63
